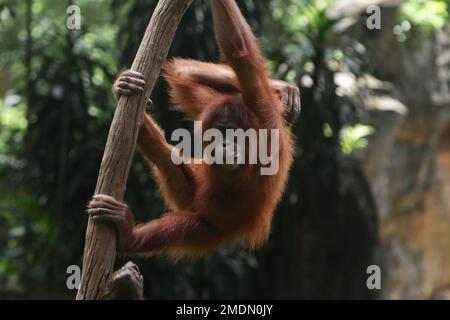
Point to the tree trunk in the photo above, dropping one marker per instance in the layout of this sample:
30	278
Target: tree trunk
101	238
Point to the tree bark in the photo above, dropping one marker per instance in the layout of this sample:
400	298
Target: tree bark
101	238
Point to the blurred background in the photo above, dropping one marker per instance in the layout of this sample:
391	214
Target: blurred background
371	178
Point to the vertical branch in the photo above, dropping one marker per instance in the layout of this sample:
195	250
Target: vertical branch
101	238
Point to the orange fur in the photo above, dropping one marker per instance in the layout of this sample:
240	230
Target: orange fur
212	208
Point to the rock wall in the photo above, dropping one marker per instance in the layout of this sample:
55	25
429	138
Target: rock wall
408	158
425	230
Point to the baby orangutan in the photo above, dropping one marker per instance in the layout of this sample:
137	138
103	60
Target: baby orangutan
211	205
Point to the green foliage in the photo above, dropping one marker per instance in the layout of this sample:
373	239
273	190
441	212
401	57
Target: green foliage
27	235
354	138
53	130
426	14
13	125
